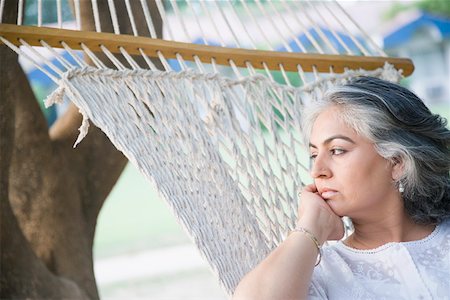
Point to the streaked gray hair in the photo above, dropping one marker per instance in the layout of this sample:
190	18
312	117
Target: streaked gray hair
403	130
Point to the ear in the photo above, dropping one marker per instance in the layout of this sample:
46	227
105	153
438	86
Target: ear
397	168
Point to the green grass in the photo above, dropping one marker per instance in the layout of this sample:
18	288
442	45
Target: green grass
135	218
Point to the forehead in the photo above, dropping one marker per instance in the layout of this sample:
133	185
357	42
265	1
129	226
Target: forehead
329	123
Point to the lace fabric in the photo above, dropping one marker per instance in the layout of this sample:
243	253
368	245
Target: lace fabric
410	270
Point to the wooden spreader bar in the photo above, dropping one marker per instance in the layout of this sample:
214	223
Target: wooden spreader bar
93	40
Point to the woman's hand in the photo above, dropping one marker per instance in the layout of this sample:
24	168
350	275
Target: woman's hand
315	215
286	272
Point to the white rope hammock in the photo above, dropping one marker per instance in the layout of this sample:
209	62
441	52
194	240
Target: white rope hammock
222	144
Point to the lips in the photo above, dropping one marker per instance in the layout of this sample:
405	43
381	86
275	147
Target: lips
328	193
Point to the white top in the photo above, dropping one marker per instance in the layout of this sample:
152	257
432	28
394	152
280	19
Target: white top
410	270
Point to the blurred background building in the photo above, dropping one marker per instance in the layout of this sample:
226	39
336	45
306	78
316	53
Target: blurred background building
425	38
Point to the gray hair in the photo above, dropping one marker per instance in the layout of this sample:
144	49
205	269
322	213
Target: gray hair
403	130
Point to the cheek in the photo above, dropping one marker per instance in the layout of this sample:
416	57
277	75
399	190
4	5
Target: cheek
369	183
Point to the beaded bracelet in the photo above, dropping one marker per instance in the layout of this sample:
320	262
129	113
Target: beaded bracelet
313	238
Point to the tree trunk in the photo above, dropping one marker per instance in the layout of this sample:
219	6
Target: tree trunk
50	193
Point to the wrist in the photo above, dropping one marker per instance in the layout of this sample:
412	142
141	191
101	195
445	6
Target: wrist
316	230
313	238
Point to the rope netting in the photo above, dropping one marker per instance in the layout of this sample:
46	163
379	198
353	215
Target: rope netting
222	144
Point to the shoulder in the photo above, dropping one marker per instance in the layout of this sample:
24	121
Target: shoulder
441	233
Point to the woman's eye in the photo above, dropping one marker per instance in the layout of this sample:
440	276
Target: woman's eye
337	151
313	156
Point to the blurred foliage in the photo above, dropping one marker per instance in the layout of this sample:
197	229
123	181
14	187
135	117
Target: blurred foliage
437	7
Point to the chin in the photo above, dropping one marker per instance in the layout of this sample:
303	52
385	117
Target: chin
336	208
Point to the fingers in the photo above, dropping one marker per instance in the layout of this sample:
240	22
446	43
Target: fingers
309	188
317	214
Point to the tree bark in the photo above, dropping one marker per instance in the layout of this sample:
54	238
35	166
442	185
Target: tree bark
50	193
23	274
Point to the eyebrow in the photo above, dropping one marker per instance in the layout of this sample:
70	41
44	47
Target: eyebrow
328	140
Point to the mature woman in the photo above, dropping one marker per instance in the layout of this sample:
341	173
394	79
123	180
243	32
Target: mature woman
380	157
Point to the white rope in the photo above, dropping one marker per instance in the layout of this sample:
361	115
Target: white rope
211	20
305	31
250	68
345	28
98	27
188	38
222	42
318	29
261	31
366	36
226	81
332	30
203	37
112	58
202	33
301	73
77	14
274	26
20	12
243	27
205	41
93	57
39	13
235	69
41	57
181	62
180	20
131	16
134	65
61	59
113	15
166	23
2	6
279	33
59	13
199	64
148	19
164	62
332	70
266	69
29	58
69	50
286	45
230	28
149	62
285	76
292	35
214	64
316	73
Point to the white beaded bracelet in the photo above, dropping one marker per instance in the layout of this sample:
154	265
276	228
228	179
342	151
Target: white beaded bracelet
312	238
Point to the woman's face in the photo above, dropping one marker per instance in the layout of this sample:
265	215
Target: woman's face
348	172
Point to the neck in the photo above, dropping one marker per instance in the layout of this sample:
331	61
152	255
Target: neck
393	228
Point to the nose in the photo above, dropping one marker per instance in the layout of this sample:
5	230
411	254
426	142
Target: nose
320	168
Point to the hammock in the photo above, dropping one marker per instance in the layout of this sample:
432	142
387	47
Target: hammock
217	129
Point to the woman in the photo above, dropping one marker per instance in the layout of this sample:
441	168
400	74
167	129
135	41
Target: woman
380	157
